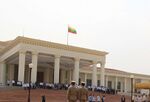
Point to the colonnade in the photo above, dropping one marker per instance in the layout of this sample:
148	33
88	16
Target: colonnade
21	72
22	63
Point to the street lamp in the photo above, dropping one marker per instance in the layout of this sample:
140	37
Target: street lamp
30	69
131	76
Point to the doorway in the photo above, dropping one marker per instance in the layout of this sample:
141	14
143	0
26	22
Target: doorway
40	77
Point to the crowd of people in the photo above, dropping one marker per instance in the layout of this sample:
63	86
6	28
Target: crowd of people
82	90
96	98
38	85
59	86
90	97
141	98
102	89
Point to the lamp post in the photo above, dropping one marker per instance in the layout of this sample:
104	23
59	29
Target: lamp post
30	69
131	76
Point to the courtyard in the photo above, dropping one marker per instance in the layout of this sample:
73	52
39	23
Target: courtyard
21	95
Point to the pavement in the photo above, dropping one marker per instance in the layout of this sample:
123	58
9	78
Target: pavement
11	94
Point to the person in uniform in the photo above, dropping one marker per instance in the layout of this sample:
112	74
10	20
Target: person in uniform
83	93
72	93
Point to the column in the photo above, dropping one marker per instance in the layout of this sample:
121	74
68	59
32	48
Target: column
106	81
102	74
113	84
116	84
21	66
125	86
34	69
70	75
47	75
56	68
121	86
11	72
133	85
2	73
85	78
63	76
51	76
76	70
94	74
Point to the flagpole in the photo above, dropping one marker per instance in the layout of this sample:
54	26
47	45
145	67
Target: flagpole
67	38
68	46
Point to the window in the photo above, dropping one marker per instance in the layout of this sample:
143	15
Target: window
98	83
119	85
109	84
89	82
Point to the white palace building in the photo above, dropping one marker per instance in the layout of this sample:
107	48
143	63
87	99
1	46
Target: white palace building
59	63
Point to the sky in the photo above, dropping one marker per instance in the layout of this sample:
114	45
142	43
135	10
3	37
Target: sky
119	27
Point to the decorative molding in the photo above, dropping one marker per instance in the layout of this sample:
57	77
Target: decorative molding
57	56
22	51
94	62
3	62
77	59
37	42
35	53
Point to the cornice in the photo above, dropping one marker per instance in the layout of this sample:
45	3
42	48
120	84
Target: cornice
42	43
9	46
113	72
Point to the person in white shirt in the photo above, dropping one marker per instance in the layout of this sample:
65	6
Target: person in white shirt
98	98
144	98
139	99
136	98
93	98
13	82
103	98
8	82
90	98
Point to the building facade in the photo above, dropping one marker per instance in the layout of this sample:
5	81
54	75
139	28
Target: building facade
59	63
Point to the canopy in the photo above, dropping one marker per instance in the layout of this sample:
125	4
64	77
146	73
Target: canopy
145	85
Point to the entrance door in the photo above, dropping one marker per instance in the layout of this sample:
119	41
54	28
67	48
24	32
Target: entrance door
40	76
16	73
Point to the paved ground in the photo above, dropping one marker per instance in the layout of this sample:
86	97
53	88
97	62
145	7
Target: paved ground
20	95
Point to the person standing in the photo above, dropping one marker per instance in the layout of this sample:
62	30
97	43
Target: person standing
72	93
135	98
144	98
139	98
103	98
90	98
83	93
98	98
93	98
123	99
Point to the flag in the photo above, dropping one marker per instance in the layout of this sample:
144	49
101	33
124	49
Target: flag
72	30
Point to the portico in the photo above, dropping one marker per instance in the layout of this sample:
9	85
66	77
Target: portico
51	61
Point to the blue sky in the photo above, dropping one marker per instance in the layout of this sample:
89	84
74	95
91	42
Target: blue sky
120	27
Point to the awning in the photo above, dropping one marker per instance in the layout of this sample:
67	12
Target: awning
142	85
